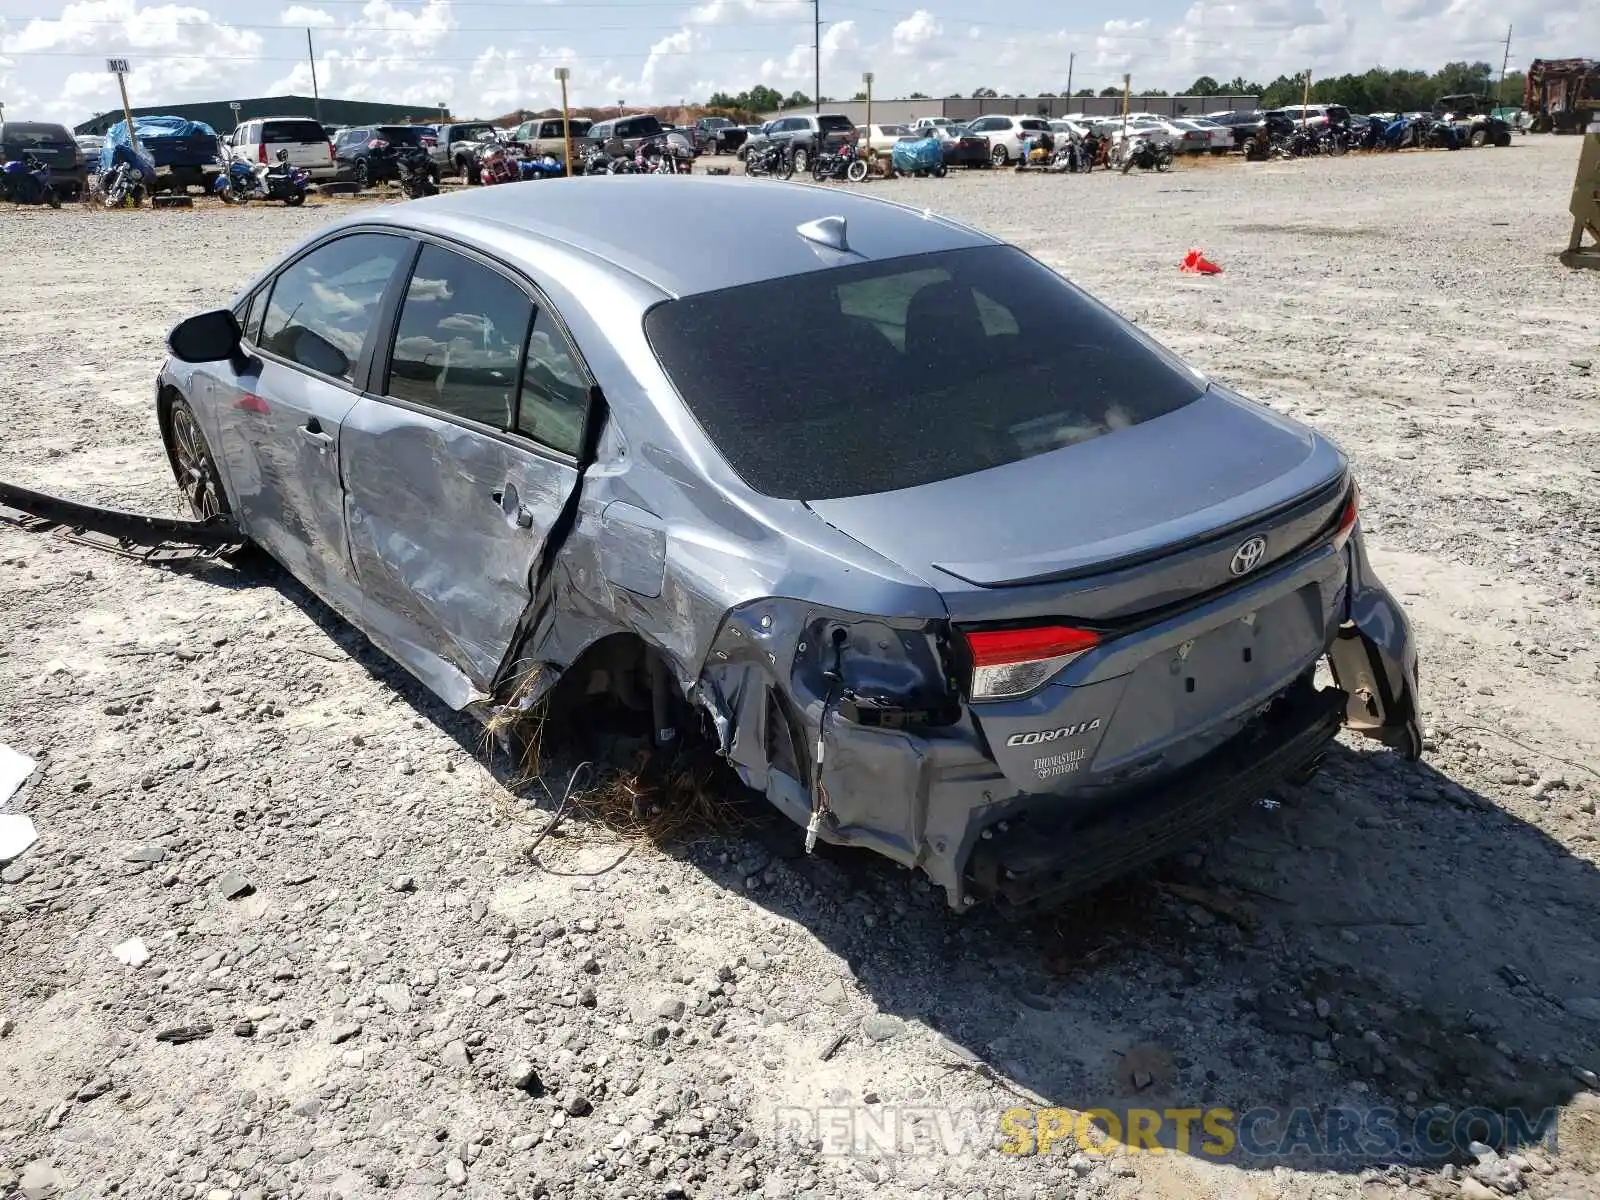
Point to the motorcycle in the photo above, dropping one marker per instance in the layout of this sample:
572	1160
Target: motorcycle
842	162
280	181
1147	155
773	158
235	183
498	165
27	181
595	161
123	186
416	175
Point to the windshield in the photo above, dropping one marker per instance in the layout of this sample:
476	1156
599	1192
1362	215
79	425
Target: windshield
400	135
958	361
289	133
36	136
834	124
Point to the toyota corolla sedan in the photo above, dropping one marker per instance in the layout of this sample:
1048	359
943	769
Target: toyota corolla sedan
951	561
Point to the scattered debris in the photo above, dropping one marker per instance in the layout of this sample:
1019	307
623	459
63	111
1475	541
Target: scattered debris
17	833
132	953
1196	263
180	1034
234	886
14	771
833	1045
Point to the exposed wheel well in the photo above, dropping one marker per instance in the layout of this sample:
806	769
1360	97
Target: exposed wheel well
164	399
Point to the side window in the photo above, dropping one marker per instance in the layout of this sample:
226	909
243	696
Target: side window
323	304
249	314
460	339
555	392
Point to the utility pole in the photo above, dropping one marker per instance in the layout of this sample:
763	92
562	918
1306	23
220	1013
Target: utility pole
562	75
1071	58
316	97
1500	92
816	52
1306	103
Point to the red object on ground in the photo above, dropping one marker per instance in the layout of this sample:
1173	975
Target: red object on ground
1196	263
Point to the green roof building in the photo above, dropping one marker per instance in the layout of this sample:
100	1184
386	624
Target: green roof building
219	114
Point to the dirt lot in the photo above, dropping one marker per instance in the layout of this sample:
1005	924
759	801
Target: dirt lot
409	1002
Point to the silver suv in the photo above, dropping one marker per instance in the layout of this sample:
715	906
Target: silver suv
805	132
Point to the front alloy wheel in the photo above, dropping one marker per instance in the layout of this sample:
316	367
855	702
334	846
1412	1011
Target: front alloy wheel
999	157
801	161
192	464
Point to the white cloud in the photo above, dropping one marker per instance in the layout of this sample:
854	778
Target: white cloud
314	18
917	34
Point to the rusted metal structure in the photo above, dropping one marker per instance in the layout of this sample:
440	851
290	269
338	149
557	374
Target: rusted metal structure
1562	94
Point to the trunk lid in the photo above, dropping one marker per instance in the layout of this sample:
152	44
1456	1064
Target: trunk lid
1213	468
1135	534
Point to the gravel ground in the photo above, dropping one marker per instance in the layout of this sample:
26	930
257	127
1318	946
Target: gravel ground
408	994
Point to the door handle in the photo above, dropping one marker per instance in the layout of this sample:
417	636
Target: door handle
314	435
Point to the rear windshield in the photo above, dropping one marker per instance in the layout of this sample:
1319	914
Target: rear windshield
21	134
887	375
833	123
639	127
1035	123
279	133
400	135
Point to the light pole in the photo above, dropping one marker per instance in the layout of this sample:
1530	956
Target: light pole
234	104
866	78
562	75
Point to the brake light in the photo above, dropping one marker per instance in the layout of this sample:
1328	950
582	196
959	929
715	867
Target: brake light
331	155
377	144
262	149
1013	662
1347	519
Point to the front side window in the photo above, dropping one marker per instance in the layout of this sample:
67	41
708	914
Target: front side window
324	303
460	339
959	361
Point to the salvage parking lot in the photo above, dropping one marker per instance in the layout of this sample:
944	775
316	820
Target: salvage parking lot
408	994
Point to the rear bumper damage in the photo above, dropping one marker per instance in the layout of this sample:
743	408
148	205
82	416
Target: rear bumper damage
863	741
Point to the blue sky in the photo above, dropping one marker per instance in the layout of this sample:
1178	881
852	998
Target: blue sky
488	56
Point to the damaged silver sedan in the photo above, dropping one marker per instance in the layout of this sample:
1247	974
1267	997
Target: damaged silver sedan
950	560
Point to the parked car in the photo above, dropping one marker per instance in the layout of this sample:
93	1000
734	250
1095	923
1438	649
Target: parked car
1072	127
882	137
1314	117
718	135
961	147
1202	137
928	123
55	149
1073	622
89	143
459	146
1006	135
1241	124
803	133
547	135
622	135
258	141
370	154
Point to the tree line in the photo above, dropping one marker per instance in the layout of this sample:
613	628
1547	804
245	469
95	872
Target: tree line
1380	89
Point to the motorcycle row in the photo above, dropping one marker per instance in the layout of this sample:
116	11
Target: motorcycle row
833	161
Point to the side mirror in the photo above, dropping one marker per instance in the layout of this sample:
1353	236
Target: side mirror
206	337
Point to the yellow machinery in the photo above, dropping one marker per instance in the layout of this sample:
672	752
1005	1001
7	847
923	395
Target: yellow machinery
1586	206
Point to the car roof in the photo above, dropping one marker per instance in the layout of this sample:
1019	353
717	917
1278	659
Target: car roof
597	217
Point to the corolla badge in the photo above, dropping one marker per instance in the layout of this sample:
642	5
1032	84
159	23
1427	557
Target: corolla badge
1248	556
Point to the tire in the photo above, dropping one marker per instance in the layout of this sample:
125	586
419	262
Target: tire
747	169
1477	138
363	175
294	199
786	167
193	466
999	157
800	162
941	171
1164	162
467	174
1127	164
856	172
52	198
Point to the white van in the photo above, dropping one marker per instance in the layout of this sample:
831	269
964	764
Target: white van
259	140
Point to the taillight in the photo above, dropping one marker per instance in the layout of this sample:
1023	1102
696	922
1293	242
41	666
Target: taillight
331	155
262	151
1013	662
377	144
1347	519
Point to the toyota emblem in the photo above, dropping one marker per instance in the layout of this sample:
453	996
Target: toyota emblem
1248	556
